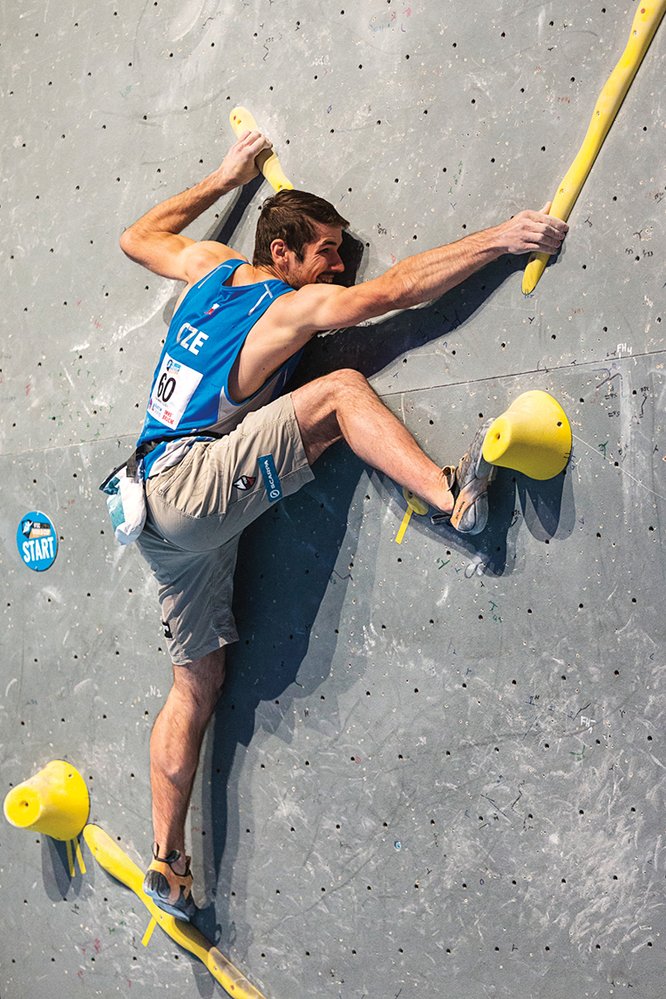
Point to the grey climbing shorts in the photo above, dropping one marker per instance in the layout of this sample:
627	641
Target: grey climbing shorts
196	512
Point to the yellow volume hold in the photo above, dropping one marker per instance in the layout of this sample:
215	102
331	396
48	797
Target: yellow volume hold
533	436
115	861
646	21
242	120
54	801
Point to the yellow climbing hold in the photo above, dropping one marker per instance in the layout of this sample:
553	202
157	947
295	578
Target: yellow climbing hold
414	505
533	436
54	802
242	120
73	855
115	861
145	940
646	21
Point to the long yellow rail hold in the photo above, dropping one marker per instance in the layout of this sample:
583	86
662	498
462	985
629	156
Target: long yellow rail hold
115	861
243	120
646	21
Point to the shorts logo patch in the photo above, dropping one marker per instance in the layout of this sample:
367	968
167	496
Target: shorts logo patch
245	482
270	477
167	629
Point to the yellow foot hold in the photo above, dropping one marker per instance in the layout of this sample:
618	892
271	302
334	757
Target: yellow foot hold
115	862
73	855
54	802
145	940
533	436
414	505
242	120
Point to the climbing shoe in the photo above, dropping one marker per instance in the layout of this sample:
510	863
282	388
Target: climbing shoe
468	484
473	476
170	891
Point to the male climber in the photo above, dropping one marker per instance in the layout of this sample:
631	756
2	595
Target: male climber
221	441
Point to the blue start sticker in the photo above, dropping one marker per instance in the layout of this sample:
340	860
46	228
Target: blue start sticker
37	541
270	477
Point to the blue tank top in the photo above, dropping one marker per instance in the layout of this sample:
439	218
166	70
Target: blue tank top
189	398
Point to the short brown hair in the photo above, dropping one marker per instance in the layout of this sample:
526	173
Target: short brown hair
289	215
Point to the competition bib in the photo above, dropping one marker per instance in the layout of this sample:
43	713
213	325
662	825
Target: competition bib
174	387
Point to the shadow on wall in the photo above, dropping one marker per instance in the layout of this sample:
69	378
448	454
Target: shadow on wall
287	560
59	882
548	510
370	349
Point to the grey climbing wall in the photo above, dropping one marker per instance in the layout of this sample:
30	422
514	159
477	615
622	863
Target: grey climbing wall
438	767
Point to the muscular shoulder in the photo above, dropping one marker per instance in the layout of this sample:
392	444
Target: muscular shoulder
202	257
299	309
